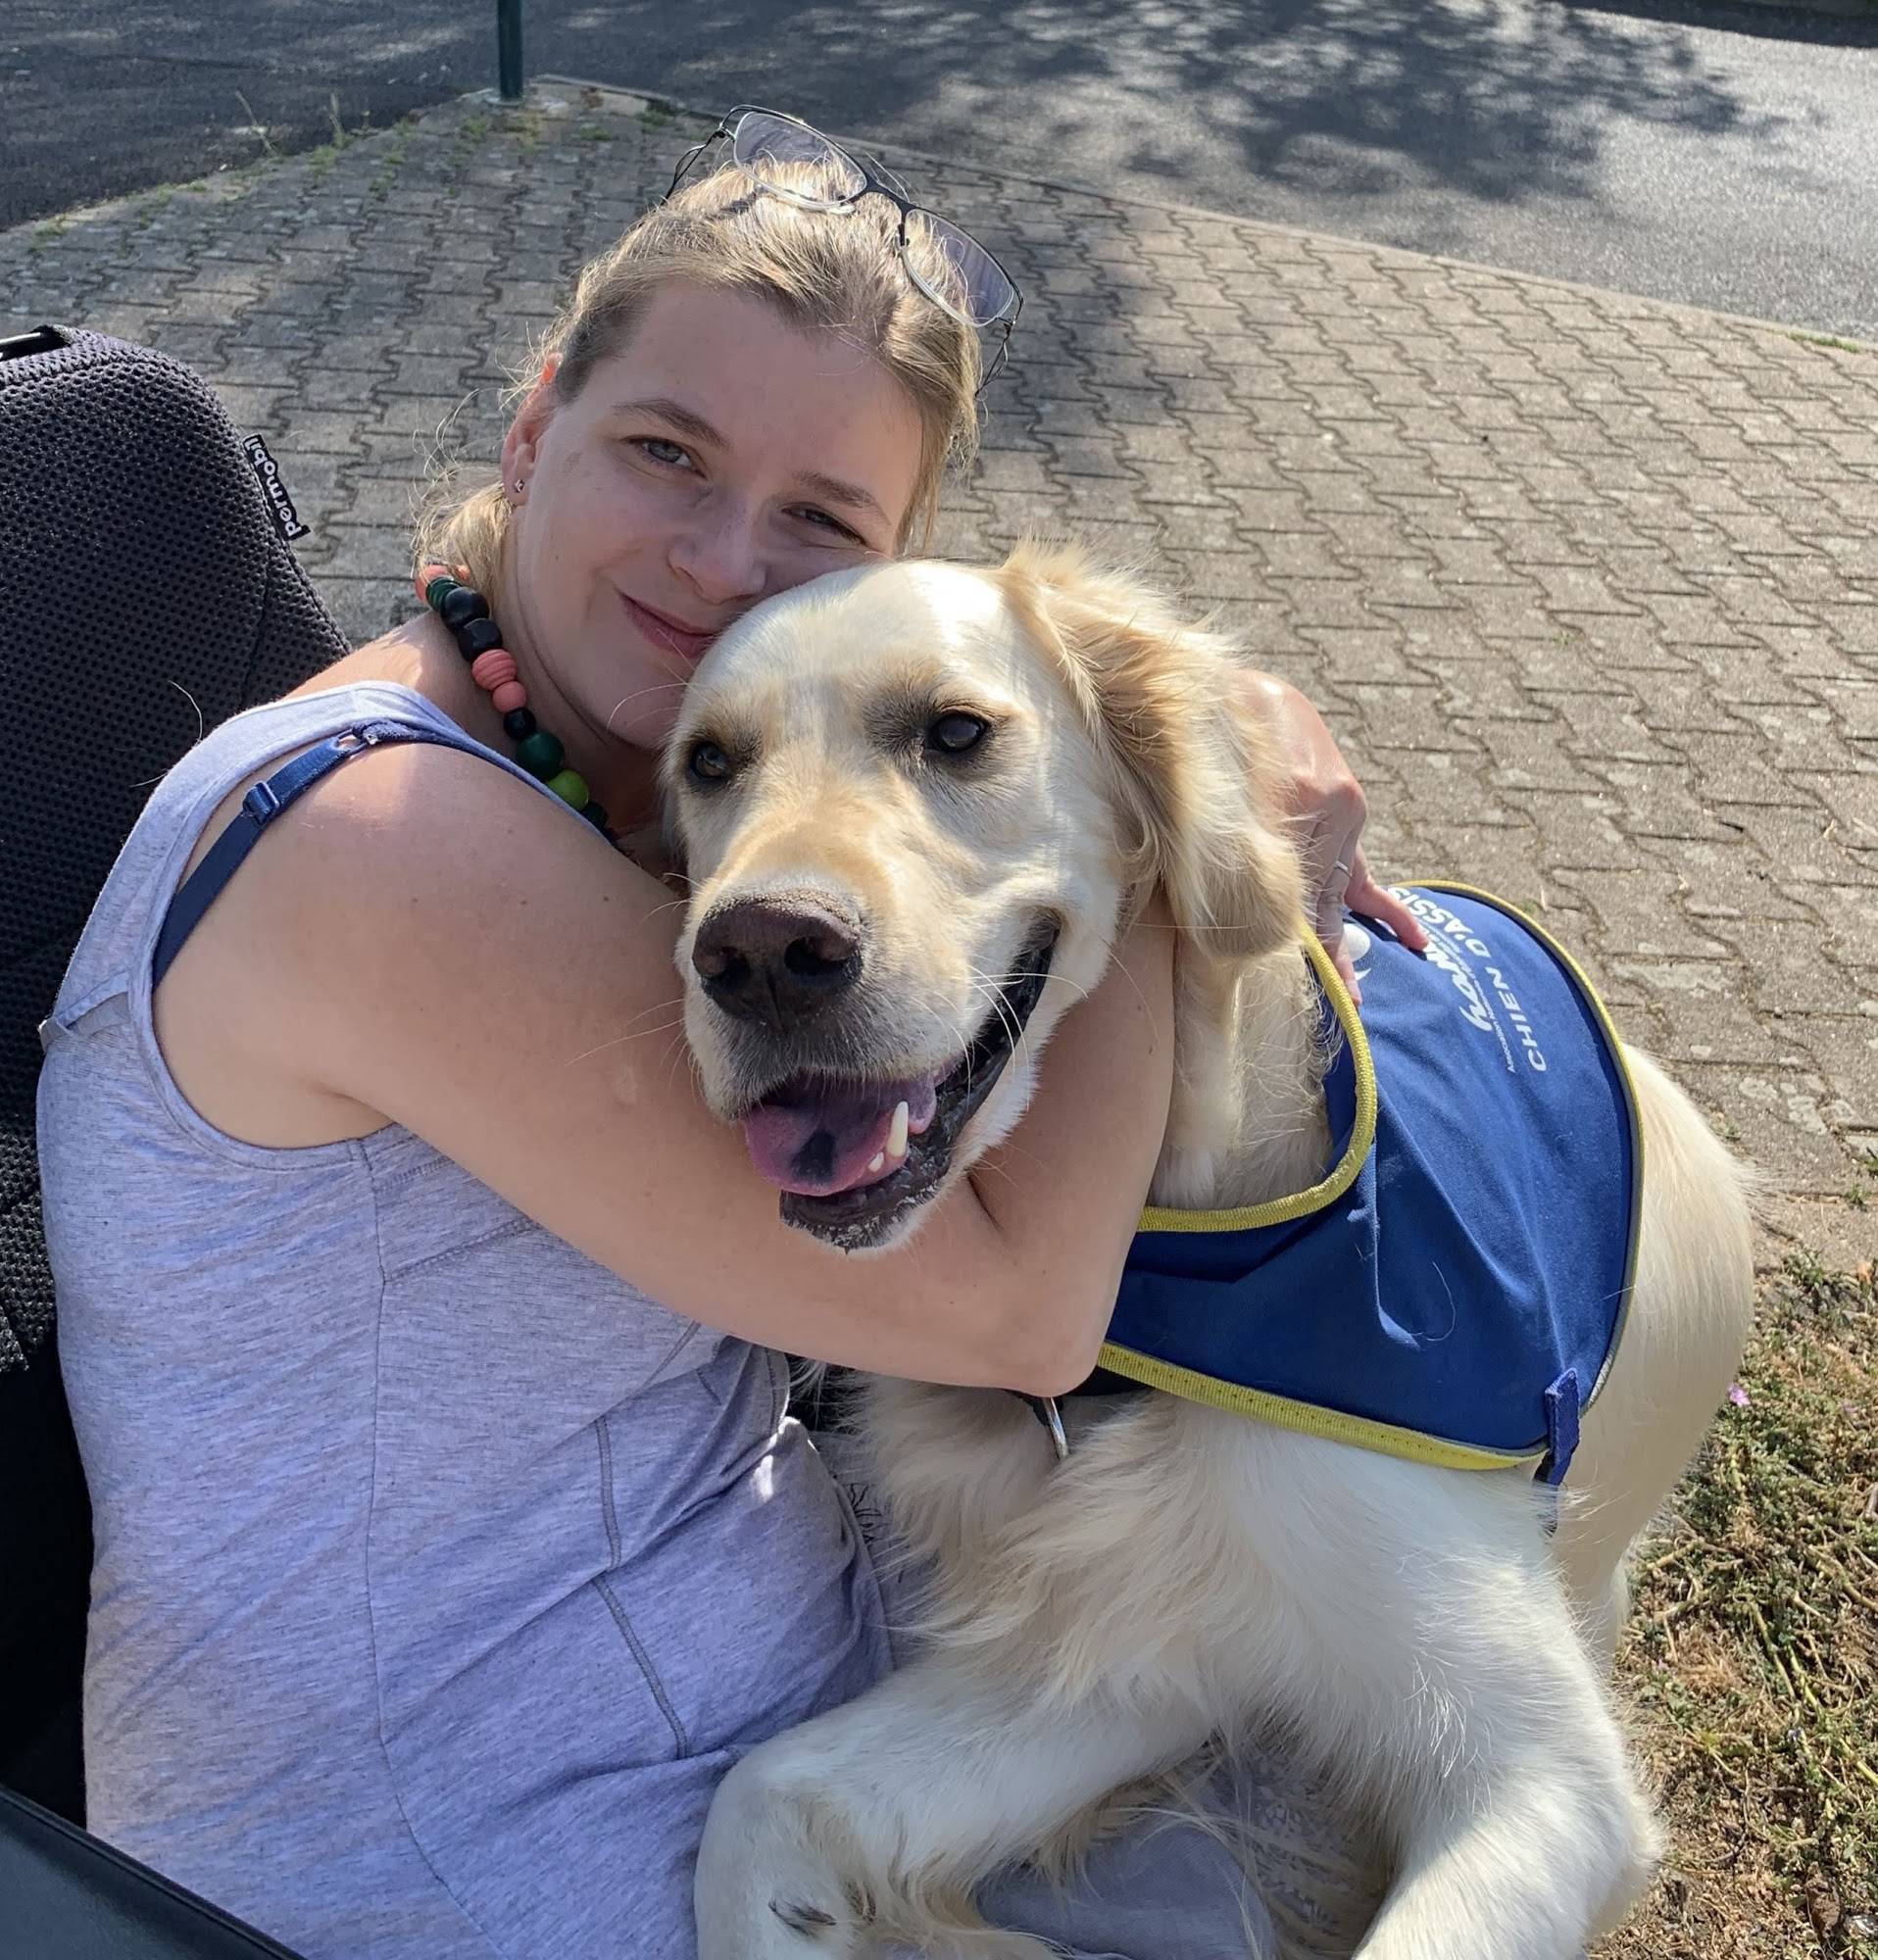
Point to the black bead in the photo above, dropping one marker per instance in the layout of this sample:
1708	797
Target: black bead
519	724
477	636
594	815
461	606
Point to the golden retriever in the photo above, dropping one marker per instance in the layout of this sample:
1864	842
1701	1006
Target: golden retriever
915	805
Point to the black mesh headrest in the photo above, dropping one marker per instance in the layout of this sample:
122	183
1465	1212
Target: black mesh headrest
144	595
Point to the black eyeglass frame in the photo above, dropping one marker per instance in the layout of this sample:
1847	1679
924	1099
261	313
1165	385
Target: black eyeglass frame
875	183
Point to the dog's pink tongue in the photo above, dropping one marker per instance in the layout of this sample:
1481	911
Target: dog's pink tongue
819	1138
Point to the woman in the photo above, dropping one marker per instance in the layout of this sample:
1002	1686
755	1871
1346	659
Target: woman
422	1329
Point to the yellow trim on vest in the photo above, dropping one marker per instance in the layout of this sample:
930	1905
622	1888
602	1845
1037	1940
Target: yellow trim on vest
1308	1418
1363	1134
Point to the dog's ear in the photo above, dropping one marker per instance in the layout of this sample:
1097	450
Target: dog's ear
1196	775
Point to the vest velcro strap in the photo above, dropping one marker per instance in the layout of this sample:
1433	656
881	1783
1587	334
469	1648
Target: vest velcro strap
1562	1407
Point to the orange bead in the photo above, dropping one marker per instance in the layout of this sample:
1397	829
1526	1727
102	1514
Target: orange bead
510	695
493	669
423	578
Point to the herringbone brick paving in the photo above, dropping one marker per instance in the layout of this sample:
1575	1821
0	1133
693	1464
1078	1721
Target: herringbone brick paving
1587	585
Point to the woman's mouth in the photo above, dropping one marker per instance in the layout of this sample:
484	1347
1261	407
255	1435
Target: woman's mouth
687	642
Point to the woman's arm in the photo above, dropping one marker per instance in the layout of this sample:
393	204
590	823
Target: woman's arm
1328	810
434	942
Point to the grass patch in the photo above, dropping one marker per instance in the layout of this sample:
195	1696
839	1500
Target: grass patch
390	160
1831	340
148	209
524	126
320	159
1751	1660
467	142
336	122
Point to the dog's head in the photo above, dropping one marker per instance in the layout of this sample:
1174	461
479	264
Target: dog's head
915	803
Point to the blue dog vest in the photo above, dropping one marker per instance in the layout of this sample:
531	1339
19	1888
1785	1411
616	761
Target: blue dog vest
1454	1287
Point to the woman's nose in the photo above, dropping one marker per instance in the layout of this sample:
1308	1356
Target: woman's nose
720	557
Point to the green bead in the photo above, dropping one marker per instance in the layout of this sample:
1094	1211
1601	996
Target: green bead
571	786
540	753
435	591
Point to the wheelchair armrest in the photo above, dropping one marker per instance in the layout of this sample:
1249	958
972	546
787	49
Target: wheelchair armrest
69	1896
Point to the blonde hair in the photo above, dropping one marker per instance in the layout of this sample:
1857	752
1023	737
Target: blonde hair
832	272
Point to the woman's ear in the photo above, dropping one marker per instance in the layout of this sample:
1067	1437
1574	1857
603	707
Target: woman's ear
1195	776
520	446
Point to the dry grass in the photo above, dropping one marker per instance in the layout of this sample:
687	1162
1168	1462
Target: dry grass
1752	1661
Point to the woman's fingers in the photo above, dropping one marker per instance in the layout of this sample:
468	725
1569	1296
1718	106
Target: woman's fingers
1373	900
1347	884
1331	886
1327	810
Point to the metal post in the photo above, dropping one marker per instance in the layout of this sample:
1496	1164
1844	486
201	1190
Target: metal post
508	48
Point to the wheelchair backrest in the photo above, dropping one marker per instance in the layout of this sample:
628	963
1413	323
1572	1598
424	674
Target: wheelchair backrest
146	593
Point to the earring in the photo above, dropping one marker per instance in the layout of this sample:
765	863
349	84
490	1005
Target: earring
520	481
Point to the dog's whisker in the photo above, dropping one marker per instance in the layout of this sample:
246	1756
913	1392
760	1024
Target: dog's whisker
679	1055
658	1007
621	1041
640	694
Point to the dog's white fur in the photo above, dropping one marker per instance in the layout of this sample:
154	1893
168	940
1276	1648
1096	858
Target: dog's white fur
1186	1575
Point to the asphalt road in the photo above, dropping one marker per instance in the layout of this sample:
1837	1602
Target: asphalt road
1726	156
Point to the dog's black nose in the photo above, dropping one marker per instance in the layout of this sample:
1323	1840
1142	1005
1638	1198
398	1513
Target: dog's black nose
777	959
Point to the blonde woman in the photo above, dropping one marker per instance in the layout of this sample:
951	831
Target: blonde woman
422	1329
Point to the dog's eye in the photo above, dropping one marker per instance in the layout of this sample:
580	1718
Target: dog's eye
956	734
708	763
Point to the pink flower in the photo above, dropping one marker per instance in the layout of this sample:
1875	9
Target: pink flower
1738	1395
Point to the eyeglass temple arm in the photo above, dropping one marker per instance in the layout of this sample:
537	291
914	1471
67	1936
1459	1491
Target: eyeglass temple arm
692	155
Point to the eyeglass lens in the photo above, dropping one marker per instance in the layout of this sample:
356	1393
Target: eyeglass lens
777	153
986	285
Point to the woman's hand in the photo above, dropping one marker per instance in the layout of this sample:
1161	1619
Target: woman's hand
1327	808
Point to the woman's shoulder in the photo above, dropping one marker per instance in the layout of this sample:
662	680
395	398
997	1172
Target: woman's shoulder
248	744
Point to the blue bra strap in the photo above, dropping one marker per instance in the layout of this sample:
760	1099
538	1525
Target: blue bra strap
259	808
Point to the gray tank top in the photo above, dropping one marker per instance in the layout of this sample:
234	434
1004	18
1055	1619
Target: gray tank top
439	1573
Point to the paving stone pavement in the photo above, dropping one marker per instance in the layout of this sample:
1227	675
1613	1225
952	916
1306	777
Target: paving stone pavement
1586	586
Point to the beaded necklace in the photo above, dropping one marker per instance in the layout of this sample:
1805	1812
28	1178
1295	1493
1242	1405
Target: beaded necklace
492	667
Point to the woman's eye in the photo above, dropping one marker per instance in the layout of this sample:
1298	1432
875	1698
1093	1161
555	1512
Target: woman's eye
956	734
821	522
661	451
708	763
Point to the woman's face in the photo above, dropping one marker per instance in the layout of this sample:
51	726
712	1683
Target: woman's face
723	456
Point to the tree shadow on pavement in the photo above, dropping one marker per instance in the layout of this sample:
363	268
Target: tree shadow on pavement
1495	99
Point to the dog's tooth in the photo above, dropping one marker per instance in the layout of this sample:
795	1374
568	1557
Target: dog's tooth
897	1132
878	1161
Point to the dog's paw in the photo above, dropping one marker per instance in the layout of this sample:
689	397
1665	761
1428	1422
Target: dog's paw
769	1885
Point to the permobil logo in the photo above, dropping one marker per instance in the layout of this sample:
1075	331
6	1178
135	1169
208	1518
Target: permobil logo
286	521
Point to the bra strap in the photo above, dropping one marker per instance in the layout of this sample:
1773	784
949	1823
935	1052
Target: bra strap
259	808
